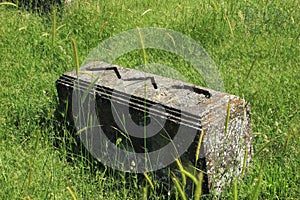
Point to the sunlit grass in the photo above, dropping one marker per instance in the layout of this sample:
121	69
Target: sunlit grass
255	45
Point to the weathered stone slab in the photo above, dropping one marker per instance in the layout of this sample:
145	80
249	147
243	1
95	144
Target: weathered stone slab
161	118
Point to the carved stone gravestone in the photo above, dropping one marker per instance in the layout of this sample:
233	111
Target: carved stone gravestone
139	122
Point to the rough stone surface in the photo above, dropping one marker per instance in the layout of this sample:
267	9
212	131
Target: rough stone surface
227	140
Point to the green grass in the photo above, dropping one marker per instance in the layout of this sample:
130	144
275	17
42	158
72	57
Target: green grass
255	45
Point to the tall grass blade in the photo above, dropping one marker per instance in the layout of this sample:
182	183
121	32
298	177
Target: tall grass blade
71	193
8	3
73	41
235	190
179	188
265	146
181	169
251	68
214	5
244	163
53	27
255	193
143	47
288	137
30	177
229	24
198	191
149	181
37	141
199	146
145	89
145	12
191	176
89	89
145	193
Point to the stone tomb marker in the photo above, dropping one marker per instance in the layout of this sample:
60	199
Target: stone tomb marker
175	114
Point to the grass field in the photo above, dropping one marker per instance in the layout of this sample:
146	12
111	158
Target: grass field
255	45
